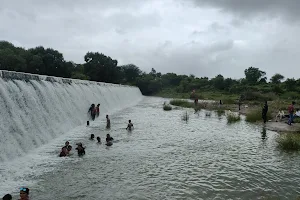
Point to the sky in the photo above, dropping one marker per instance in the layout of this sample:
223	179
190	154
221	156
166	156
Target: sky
200	37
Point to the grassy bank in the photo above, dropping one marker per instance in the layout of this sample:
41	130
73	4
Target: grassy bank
289	141
251	104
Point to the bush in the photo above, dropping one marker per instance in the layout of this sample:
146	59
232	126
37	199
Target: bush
233	117
252	96
167	107
182	103
289	141
256	115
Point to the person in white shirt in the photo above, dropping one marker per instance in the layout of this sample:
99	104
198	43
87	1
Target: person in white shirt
297	113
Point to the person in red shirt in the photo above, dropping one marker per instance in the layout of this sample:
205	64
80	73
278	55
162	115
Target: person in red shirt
98	110
291	110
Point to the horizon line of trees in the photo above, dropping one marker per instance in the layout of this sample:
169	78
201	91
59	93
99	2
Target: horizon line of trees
102	68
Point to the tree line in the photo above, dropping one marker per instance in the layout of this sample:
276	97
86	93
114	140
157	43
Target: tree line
102	68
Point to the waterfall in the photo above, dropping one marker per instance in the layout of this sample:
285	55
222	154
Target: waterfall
35	109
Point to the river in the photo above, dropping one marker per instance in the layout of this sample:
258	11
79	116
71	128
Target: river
165	157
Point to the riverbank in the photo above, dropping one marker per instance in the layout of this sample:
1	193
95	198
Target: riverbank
251	110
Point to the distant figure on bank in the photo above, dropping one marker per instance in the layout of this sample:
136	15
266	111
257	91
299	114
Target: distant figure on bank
24	194
92	111
280	115
265	111
291	110
129	126
80	149
92	137
297	113
98	110
7	197
107	122
240	103
98	140
109	140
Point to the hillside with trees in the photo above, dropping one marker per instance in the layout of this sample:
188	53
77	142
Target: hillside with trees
102	68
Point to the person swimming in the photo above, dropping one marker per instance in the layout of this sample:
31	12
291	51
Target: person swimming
109	140
107	122
92	137
99	140
64	152
7	197
129	126
80	149
24	194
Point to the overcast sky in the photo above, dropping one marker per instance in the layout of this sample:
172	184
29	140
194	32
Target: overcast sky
200	37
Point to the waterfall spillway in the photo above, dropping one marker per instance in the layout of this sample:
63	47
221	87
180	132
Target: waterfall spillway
35	109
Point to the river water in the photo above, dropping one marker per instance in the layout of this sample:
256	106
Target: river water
165	157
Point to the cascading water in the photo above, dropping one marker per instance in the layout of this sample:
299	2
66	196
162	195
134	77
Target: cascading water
35	109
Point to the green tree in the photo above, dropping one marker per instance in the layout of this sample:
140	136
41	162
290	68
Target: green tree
290	84
100	67
131	72
276	78
254	75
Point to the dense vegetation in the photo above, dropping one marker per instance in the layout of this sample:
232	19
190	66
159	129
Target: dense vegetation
99	67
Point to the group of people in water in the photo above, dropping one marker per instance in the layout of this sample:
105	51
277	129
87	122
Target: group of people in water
94	112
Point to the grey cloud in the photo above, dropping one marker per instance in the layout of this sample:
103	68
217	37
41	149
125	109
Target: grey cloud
165	35
213	28
252	8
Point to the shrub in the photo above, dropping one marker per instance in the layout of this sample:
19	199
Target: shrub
167	107
289	141
233	117
182	103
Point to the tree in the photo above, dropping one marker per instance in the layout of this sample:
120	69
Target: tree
254	75
290	84
100	67
276	79
218	82
130	72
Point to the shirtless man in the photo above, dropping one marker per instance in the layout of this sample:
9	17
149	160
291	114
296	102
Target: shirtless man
129	126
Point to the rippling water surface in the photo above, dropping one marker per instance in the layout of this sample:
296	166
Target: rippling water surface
167	158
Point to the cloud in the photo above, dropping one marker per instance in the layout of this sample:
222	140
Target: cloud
288	9
214	37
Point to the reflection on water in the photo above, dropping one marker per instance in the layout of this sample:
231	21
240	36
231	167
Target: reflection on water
264	132
166	158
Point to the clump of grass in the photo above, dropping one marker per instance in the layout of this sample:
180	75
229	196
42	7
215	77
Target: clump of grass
256	115
182	103
296	120
167	107
233	117
289	141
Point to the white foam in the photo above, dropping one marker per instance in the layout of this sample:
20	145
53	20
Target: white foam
37	114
